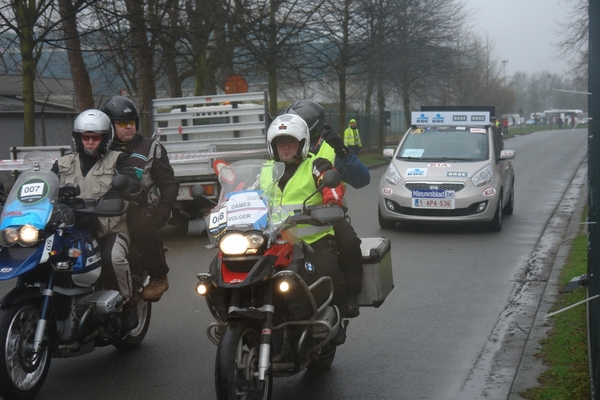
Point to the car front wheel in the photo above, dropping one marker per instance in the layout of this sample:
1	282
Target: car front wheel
496	223
385	223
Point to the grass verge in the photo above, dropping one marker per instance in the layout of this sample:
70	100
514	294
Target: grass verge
564	351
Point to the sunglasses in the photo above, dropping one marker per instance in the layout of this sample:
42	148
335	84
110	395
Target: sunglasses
93	138
123	124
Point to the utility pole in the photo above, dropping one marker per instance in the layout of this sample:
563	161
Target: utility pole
594	192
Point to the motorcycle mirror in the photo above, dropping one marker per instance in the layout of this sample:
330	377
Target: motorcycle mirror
120	183
332	178
198	192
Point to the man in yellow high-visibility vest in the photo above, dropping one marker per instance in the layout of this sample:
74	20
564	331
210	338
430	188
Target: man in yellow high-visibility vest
352	137
288	141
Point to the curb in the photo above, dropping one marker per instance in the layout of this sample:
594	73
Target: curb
531	367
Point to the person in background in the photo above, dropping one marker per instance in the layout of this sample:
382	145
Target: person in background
504	126
93	166
151	164
352	137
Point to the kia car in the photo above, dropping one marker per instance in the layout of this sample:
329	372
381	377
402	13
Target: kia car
450	167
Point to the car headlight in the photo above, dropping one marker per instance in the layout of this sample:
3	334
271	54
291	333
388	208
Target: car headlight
26	235
391	175
484	176
241	243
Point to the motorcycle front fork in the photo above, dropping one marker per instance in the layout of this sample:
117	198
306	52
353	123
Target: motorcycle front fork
40	328
267	308
264	355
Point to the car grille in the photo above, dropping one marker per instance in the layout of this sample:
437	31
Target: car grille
456	186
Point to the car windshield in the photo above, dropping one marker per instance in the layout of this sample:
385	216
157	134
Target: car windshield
445	144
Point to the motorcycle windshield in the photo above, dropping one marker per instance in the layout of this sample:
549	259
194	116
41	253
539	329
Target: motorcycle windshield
250	198
33	196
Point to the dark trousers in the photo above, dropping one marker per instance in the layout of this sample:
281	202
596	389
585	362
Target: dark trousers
327	256
350	256
355	149
146	239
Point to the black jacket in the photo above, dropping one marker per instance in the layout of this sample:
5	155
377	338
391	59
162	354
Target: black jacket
161	173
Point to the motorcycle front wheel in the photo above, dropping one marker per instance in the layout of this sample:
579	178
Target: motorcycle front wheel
22	372
236	368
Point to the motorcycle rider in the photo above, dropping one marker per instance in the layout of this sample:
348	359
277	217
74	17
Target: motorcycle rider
288	140
93	167
150	161
324	142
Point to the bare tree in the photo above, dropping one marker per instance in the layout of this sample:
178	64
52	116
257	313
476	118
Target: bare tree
276	34
574	45
31	21
81	79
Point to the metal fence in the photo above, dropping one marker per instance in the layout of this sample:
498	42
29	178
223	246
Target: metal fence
368	126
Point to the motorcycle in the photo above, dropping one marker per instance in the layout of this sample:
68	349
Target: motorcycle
272	304
60	306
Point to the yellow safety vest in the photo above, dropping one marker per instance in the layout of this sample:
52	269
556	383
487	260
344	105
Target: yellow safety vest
298	188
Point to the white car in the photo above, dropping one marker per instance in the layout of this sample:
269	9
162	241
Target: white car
450	167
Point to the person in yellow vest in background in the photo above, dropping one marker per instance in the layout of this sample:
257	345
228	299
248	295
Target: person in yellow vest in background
352	137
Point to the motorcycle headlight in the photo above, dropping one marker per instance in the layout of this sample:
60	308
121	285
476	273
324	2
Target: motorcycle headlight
241	243
484	176
10	236
28	235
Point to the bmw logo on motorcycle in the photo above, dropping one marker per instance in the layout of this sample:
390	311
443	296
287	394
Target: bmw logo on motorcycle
309	267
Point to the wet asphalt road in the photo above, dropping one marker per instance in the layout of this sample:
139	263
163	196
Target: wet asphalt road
429	340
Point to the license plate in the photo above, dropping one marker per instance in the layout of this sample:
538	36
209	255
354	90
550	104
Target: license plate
433	199
433	203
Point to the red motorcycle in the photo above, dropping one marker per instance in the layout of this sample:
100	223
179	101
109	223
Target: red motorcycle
272	304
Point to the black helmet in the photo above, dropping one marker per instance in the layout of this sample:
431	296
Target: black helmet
311	112
120	108
93	121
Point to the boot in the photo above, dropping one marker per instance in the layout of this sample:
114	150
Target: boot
352	308
129	318
340	337
155	288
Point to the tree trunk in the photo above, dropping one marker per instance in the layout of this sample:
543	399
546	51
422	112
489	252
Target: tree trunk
344	63
381	107
200	74
79	72
144	63
28	92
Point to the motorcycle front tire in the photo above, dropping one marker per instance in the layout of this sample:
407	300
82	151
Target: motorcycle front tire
236	367
22	373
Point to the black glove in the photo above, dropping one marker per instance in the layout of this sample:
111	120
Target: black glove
332	138
335	141
161	216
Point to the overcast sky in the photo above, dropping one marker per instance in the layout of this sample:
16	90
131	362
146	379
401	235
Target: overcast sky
523	31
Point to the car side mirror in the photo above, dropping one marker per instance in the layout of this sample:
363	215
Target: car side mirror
388	154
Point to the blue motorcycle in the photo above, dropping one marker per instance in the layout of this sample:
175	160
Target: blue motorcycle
60	306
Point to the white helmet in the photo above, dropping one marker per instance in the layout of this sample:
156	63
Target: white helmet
288	125
93	121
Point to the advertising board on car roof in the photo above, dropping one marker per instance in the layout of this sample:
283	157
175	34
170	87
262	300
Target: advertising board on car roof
454	118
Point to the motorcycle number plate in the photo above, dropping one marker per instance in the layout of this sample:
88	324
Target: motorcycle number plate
218	219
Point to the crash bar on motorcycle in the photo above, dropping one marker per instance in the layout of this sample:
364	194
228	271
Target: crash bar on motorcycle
308	289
